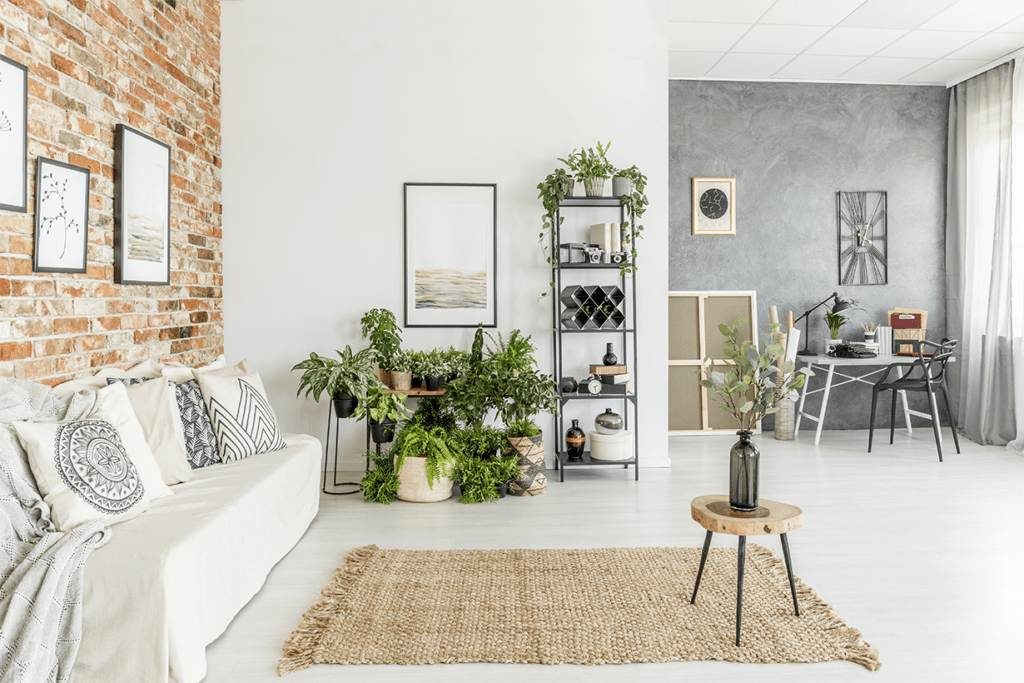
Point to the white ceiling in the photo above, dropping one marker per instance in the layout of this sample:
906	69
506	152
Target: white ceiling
924	42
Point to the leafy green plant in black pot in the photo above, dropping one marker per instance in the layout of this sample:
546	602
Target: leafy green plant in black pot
456	362
345	378
380	328
416	359
484	479
383	409
435	371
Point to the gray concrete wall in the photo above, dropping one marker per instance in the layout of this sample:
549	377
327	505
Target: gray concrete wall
791	146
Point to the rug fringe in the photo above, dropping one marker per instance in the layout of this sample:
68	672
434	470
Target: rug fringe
301	644
854	647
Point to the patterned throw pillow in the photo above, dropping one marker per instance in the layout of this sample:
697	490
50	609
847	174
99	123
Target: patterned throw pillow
200	441
241	415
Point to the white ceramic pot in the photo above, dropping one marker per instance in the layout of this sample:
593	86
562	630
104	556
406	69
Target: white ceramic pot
413	486
621	186
594	187
611	447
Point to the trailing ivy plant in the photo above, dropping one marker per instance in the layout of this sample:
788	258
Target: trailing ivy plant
636	205
380	484
381	329
552	190
348	375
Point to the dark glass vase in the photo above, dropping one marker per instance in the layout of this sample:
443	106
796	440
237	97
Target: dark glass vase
575	441
609	356
743	463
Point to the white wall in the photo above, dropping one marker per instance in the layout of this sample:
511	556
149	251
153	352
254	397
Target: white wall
330	105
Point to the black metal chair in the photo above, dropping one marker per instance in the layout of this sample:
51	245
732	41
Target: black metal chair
926	374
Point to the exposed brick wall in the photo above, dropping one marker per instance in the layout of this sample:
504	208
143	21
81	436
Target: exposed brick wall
93	64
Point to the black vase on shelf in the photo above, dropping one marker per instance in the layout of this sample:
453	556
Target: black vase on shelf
744	460
609	356
575	440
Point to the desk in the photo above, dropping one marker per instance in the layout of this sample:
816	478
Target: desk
829	365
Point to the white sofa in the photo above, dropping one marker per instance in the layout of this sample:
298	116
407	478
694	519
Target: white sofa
170	581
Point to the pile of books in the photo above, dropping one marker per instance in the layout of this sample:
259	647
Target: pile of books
615	379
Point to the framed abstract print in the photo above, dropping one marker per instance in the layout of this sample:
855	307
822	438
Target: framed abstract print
142	209
13	135
450	254
62	217
863	237
714	206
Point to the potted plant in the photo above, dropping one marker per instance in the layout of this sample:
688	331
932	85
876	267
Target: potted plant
635	202
434	370
416	359
748	389
424	464
590	166
834	320
380	328
483	479
553	189
380	483
344	379
383	409
401	371
456	362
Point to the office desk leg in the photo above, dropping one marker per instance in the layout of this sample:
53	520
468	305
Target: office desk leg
803	397
824	403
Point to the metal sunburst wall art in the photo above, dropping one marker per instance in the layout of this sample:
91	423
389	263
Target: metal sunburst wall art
863	238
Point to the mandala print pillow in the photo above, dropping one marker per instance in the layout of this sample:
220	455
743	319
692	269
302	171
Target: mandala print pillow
200	441
240	413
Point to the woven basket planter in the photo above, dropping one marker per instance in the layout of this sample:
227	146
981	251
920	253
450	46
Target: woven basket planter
532	481
413	486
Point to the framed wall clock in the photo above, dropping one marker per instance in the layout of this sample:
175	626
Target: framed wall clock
714	206
863	237
13	135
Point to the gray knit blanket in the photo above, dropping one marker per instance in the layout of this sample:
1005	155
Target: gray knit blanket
41	569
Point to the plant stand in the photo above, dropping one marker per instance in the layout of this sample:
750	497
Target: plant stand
609	326
333	417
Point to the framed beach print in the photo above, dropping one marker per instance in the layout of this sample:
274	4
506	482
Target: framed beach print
13	135
863	237
142	209
62	217
450	254
714	206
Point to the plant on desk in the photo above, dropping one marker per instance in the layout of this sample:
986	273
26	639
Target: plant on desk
345	379
835	321
383	409
748	388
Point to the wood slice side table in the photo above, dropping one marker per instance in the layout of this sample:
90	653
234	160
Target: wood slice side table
771	517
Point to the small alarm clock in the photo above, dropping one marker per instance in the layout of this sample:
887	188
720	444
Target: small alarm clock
594	385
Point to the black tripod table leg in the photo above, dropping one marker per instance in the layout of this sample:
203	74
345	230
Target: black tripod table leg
789	572
700	570
739	587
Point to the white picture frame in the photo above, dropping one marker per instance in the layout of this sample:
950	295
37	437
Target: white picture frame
62	217
451	254
142	209
713	203
13	135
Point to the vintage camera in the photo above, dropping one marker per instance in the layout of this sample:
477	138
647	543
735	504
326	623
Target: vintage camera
594	254
617	257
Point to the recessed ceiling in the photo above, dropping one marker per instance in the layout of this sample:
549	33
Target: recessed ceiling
919	42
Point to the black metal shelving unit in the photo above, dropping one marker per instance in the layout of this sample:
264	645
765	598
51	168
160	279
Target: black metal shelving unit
626	334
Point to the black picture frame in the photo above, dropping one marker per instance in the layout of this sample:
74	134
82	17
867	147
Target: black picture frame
36	265
120	172
493	323
847	238
23	207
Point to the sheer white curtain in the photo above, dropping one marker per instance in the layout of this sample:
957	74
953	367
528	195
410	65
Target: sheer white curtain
985	253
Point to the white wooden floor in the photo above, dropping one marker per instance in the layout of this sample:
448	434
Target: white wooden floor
924	558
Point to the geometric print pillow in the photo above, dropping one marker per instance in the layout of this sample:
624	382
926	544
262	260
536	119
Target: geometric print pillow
241	415
200	440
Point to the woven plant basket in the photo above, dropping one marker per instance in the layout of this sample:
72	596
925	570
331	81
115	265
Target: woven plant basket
785	420
531	480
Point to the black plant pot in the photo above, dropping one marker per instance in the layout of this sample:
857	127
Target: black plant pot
344	406
744	459
434	382
502	490
382	432
417	381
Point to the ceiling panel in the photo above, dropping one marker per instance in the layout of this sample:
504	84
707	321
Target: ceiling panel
817	67
1014	26
779	39
844	40
740	11
885	69
895	13
742	65
700	37
933	44
809	12
943	70
994	45
691	64
976	15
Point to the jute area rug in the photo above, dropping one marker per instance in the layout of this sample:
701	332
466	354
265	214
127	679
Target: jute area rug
586	606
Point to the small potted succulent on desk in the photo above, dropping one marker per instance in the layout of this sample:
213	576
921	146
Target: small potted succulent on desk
383	409
380	329
835	321
345	378
748	389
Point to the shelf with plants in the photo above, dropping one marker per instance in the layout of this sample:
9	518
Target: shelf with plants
617	317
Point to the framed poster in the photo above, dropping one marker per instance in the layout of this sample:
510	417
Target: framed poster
142	209
863	237
451	254
714	206
13	135
62	217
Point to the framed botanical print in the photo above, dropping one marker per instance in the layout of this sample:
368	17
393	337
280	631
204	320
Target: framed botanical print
142	209
62	217
714	206
13	135
863	237
451	254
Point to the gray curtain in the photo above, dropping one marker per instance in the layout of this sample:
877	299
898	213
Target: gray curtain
985	253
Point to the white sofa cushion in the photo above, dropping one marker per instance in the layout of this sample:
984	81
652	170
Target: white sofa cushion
242	418
156	407
169	582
